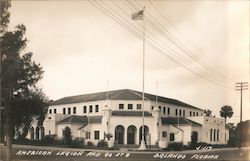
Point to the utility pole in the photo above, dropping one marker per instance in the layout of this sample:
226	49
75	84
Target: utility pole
240	86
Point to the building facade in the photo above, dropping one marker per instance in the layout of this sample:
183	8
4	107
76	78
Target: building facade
119	113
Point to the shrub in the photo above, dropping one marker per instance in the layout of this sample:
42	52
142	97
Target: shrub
77	143
90	144
175	146
48	140
102	144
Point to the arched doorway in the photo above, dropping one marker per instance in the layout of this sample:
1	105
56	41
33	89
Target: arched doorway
146	132
32	133
131	134
119	134
194	137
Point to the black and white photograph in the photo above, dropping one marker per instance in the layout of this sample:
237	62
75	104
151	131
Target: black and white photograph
124	80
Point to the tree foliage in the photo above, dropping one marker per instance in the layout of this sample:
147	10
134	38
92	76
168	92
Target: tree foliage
226	111
208	112
67	137
19	76
4	14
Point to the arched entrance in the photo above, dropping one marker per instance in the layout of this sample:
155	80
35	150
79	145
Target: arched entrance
131	134
194	137
119	134
146	132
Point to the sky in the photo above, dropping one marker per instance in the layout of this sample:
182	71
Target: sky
196	50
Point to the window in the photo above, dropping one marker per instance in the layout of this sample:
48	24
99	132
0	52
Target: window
130	106
64	111
168	111
90	108
160	108
138	106
190	113
55	110
50	111
172	137
69	110
176	112
121	106
214	135
193	113
211	134
197	114
152	107
96	108
184	112
164	110
179	112
87	135
164	134
84	109
97	135
74	110
218	135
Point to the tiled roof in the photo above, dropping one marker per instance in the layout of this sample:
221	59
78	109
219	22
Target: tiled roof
180	121
124	94
81	119
95	119
130	113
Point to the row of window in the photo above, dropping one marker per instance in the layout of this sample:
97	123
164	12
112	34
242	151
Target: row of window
69	110
85	110
179	112
130	106
90	109
215	134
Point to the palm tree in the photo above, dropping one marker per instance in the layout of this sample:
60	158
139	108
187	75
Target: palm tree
226	111
208	112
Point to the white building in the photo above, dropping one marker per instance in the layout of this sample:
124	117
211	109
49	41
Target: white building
119	112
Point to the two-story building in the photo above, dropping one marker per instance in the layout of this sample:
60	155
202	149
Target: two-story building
119	112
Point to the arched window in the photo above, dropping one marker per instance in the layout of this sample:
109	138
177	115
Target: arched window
214	135
37	133
218	134
32	133
211	134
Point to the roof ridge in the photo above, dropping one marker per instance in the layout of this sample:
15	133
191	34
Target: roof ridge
136	92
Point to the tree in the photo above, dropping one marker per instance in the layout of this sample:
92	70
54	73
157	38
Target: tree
226	111
20	96
208	112
67	137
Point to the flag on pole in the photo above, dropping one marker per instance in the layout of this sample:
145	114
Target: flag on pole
137	15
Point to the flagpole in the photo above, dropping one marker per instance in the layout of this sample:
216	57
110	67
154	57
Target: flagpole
143	145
